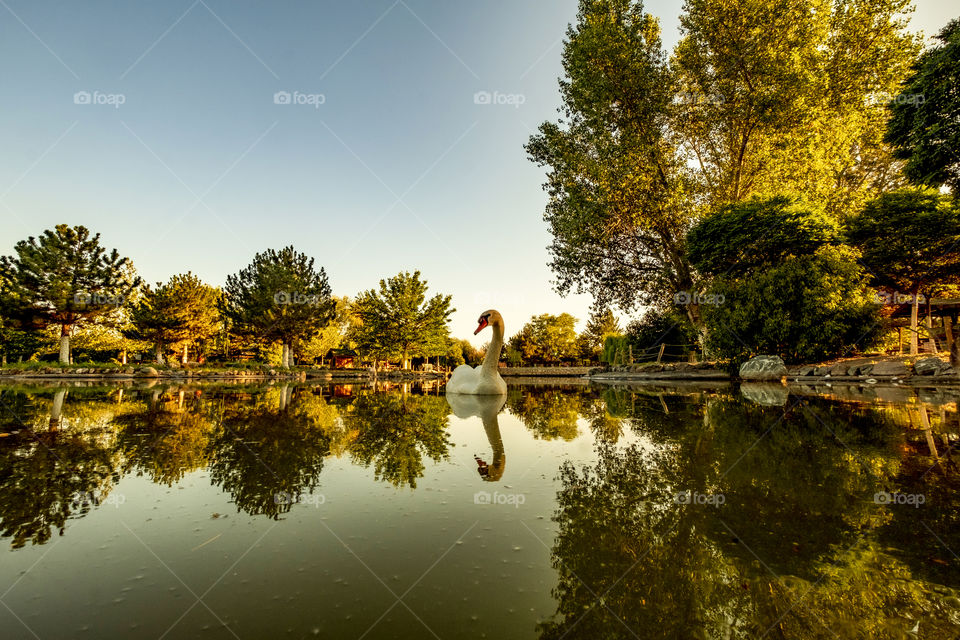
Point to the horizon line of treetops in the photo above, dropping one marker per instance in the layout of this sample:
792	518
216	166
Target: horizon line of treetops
64	293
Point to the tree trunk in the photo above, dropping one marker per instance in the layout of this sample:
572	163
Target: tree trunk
65	344
57	409
158	353
123	356
914	328
183	358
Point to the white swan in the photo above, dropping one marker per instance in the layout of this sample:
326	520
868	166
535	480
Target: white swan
484	380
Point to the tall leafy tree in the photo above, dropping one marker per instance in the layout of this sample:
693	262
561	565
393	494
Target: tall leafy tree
618	198
759	98
546	338
65	276
788	97
910	241
925	116
151	320
279	297
397	320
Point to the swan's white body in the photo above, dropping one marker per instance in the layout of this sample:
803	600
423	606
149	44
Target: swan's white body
484	380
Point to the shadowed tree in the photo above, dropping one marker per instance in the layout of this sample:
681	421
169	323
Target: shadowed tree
910	240
925	117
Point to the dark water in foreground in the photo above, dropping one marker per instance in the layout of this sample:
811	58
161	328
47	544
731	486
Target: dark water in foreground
572	512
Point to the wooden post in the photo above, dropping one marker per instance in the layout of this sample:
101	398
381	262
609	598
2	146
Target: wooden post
932	341
660	355
948	331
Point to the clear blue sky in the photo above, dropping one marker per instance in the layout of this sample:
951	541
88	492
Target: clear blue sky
199	168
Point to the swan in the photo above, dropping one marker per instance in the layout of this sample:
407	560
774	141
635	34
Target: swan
484	380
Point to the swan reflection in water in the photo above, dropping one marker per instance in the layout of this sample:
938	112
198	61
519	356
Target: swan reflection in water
487	409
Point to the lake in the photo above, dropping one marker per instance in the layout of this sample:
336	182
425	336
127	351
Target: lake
571	511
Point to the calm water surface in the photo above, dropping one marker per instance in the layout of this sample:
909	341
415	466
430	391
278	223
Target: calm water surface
569	512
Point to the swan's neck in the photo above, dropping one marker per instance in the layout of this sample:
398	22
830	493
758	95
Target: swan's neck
491	360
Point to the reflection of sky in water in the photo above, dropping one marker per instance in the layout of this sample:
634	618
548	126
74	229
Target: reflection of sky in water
337	562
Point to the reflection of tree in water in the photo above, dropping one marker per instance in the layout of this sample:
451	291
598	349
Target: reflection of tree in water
796	498
268	450
549	413
48	476
394	431
170	437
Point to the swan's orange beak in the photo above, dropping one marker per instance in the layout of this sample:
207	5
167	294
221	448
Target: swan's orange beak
483	324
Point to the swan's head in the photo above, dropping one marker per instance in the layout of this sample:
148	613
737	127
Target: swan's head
488	317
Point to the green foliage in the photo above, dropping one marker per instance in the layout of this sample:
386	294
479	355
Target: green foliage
398	321
909	239
802	296
617	208
615	350
600	324
759	98
280	296
925	117
546	339
804	309
742	238
332	336
781	97
657	327
62	278
182	312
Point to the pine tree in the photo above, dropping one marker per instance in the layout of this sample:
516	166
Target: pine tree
64	277
279	297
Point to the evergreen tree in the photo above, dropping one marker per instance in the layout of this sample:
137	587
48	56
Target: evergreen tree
64	277
279	297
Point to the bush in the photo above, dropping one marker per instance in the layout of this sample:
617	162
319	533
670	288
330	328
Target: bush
806	309
784	283
658	327
614	350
